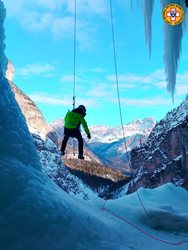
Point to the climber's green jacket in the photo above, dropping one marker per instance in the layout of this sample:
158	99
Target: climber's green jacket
73	120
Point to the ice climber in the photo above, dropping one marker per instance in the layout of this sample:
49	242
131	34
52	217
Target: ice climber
72	122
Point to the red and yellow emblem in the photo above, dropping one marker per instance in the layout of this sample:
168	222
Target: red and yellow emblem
173	14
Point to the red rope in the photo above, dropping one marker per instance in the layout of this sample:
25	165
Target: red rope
141	230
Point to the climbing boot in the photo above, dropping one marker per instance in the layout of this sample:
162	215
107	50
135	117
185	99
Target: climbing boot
81	157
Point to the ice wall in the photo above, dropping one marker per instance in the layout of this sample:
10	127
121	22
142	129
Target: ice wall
147	6
15	139
172	47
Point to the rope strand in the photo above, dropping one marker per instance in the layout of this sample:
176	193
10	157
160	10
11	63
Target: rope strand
117	80
74	67
141	230
119	100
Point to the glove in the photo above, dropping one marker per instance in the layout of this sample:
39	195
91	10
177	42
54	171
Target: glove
89	136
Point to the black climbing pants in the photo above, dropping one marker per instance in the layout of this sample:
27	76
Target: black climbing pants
74	133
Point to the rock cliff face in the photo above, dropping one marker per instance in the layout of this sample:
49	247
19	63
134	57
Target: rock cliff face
33	115
184	149
163	157
31	112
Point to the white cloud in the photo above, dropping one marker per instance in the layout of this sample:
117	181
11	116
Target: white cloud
90	102
100	91
145	102
35	69
57	17
151	78
129	78
91	70
182	78
48	4
47	99
181	89
36	21
50	100
98	70
154	79
98	7
126	86
62	27
160	85
182	84
69	78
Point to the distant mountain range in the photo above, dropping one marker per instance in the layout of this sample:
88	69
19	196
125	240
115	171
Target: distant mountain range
109	145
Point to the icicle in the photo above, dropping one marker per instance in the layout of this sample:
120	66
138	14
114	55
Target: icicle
138	3
16	143
147	6
131	5
172	48
3	59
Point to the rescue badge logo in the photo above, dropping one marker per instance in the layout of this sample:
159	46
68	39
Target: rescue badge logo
173	14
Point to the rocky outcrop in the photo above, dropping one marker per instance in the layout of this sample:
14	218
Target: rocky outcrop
29	109
184	150
163	157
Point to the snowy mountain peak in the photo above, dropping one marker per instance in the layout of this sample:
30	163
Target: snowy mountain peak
145	123
108	143
106	134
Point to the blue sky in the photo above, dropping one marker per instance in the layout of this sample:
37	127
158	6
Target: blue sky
39	42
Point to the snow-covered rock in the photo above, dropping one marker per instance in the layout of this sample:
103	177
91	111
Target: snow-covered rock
106	134
53	166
